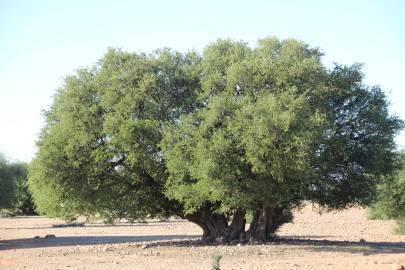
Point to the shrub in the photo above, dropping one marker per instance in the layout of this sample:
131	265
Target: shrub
15	198
391	198
215	262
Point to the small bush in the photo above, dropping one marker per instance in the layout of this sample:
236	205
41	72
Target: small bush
391	199
215	263
15	198
401	227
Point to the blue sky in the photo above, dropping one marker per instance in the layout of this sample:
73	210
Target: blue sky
42	41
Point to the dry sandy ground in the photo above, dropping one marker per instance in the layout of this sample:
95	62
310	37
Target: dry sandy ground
313	241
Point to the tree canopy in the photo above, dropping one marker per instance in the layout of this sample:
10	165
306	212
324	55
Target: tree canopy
210	137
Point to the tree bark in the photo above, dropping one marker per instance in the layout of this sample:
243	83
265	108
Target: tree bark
236	230
265	222
215	226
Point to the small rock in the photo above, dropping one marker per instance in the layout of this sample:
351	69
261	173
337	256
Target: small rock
107	248
36	237
239	244
144	246
396	266
115	262
49	236
259	253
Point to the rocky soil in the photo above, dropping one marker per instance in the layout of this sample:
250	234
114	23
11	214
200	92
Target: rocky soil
341	240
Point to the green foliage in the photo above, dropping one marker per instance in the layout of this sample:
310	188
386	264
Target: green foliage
15	197
98	153
7	186
277	129
390	202
215	262
401	227
231	151
357	151
141	135
24	204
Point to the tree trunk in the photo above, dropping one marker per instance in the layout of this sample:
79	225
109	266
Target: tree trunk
265	222
215	226
236	231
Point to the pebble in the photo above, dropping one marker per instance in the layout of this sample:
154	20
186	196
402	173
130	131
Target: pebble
106	248
396	266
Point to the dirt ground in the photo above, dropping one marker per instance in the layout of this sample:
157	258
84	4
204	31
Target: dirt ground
343	240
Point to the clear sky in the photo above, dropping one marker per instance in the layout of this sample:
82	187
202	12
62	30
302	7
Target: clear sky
42	41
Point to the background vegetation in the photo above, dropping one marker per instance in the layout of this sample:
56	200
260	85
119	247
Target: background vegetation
15	198
391	199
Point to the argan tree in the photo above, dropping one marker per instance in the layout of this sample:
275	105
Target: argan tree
14	194
212	137
7	186
390	202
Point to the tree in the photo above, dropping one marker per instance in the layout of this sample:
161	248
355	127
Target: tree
6	184
390	203
211	137
14	193
279	129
